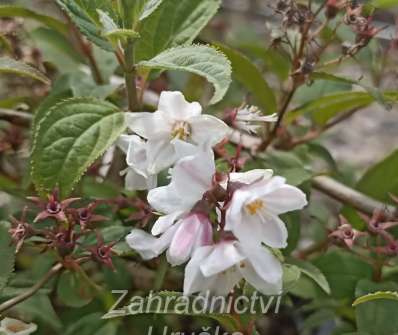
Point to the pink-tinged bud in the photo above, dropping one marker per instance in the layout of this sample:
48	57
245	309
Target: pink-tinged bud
391	249
195	230
64	241
20	230
346	233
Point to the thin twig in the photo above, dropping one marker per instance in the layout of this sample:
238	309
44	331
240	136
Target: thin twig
30	292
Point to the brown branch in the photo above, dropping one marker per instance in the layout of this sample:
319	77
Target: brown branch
349	196
30	292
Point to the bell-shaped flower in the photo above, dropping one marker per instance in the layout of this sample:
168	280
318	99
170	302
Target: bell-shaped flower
253	214
137	175
9	326
181	239
191	178
174	119
218	268
182	228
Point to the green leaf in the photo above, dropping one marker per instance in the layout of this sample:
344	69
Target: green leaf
385	3
377	317
69	138
343	270
173	23
291	275
90	324
74	291
250	76
85	23
381	179
199	59
385	295
17	11
149	7
312	272
7	256
327	107
9	65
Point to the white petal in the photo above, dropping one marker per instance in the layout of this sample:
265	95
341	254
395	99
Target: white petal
136	181
208	129
148	246
123	142
252	277
184	149
264	187
136	153
265	264
194	281
234	212
193	175
174	105
258	229
223	256
165	222
161	155
251	176
284	199
149	125
222	283
166	200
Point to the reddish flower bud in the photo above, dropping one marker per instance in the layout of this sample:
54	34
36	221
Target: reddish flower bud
52	208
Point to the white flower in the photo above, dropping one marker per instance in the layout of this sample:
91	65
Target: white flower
10	326
191	177
137	175
181	239
175	119
252	215
218	268
248	116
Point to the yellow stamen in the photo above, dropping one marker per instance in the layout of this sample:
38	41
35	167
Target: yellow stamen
254	206
181	130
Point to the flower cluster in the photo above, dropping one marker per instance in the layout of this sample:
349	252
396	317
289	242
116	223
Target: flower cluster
225	225
376	225
72	226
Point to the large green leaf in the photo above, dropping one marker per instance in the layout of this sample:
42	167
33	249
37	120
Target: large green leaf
381	179
17	11
7	256
250	76
9	65
312	272
69	138
379	295
327	107
173	23
377	317
343	270
73	290
199	59
84	19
